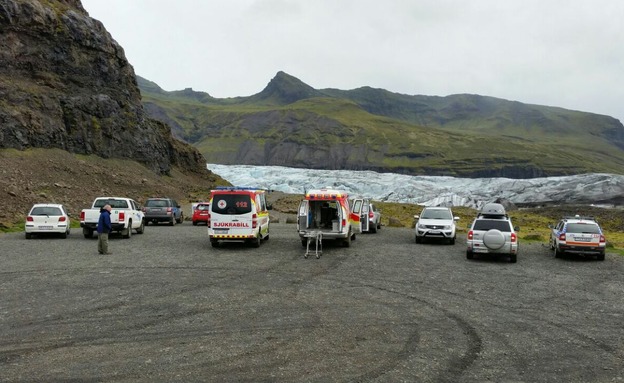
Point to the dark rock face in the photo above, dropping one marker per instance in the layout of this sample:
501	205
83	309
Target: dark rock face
65	83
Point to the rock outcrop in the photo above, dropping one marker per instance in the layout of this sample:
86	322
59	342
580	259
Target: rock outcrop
66	83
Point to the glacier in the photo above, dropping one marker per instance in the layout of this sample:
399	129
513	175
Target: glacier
593	188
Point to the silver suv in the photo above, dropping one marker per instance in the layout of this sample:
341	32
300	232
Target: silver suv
437	223
492	233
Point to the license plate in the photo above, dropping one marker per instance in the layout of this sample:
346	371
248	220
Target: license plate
480	250
220	231
45	227
582	239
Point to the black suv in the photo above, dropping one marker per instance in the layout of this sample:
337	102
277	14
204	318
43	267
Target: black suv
163	210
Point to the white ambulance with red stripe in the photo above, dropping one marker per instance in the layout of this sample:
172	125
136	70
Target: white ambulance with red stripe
330	213
238	214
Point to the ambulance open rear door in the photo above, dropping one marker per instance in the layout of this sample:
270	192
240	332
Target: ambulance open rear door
356	216
303	221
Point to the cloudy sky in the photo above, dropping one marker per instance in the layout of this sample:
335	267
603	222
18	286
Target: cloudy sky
567	53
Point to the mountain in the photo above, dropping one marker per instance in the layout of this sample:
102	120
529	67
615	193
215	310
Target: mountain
72	125
66	84
292	124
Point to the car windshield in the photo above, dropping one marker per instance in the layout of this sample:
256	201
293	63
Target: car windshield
436	214
231	204
114	203
587	228
488	224
47	210
156	203
201	207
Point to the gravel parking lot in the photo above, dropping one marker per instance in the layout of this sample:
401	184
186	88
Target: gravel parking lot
165	306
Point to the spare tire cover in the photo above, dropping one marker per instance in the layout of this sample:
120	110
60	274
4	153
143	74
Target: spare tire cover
494	239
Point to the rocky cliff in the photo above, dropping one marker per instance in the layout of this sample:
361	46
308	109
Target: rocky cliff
66	83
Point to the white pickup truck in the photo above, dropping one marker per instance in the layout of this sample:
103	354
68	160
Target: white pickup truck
126	215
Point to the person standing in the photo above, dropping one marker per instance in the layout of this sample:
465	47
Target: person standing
103	228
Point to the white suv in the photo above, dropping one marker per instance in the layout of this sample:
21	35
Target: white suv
578	235
436	222
492	233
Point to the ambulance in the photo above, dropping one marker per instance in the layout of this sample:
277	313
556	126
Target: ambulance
330	213
238	214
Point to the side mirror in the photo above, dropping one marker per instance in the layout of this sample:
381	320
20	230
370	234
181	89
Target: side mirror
269	207
416	216
517	228
455	218
551	226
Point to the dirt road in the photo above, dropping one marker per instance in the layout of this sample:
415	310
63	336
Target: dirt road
165	306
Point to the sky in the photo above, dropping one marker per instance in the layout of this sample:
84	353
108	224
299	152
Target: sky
565	53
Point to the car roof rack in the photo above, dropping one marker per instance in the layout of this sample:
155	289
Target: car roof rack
492	210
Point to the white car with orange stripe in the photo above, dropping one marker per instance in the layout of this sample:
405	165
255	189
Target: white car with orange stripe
330	213
578	235
238	214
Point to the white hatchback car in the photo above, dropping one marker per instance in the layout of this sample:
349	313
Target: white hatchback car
436	223
47	218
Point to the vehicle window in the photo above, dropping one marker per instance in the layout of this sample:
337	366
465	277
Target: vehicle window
46	211
436	214
588	228
156	203
115	203
487	224
231	204
357	206
201	207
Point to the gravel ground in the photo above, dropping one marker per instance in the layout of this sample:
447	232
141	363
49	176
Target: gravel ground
165	306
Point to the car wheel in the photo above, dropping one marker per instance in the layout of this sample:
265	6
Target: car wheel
127	233
557	253
194	223
255	242
513	258
304	242
347	241
452	241
469	254
373	228
64	235
88	233
418	239
173	221
601	257
28	235
141	228
181	218
552	244
214	243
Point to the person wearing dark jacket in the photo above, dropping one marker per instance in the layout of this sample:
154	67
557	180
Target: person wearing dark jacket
103	228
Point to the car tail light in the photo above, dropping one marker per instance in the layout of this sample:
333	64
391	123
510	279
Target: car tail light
602	239
169	210
344	222
470	234
254	221
562	237
62	219
82	215
514	238
370	214
144	210
208	220
29	219
122	216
